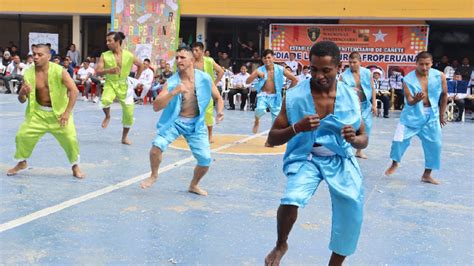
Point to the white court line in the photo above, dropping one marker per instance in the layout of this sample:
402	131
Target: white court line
61	206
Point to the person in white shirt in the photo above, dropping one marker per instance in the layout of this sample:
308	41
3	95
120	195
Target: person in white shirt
460	99
382	89
144	82
305	75
14	71
239	86
83	78
449	72
293	64
396	82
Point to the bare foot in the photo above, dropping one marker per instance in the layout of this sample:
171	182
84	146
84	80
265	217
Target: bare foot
274	257
429	179
76	171
391	169
255	126
268	145
211	141
106	121
361	155
126	141
197	190
148	182
18	167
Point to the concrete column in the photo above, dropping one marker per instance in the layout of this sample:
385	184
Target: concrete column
201	30
76	32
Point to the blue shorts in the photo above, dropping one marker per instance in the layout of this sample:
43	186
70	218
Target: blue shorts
344	180
197	139
265	101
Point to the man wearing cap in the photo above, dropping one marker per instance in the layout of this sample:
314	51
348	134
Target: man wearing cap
382	89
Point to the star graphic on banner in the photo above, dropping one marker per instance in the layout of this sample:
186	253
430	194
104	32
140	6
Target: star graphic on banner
379	36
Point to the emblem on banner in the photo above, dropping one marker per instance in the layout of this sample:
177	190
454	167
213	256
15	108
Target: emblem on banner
313	33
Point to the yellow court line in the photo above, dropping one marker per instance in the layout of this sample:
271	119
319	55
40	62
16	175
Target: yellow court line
178	145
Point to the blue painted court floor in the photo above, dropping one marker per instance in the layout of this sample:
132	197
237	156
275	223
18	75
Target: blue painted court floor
49	217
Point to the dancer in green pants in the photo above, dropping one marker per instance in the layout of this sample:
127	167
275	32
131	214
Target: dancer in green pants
49	110
116	65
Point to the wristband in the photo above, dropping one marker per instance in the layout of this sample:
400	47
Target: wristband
294	130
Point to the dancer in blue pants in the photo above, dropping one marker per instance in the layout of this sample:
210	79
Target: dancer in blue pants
360	79
421	115
321	122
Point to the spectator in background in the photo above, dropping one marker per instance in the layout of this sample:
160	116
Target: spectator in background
29	62
465	69
246	50
304	75
53	52
159	70
31	49
256	61
225	61
442	64
215	49
382	90
449	72
293	64
167	73
161	80
74	55
93	60
287	82
67	65
455	64
57	60
460	99
6	58
83	78
207	53
14	71
396	82
144	82
97	80
14	50
239	86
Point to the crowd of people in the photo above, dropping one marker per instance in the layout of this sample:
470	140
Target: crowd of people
389	89
322	117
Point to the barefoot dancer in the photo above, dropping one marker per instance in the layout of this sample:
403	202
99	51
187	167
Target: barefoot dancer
421	115
320	119
270	83
208	65
49	110
360	78
116	65
184	98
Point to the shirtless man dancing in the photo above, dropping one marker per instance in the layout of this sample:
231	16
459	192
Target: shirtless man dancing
208	65
321	122
184	100
269	87
49	110
116	64
424	88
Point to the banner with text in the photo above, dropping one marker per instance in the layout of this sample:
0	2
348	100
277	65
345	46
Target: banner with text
151	27
386	47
